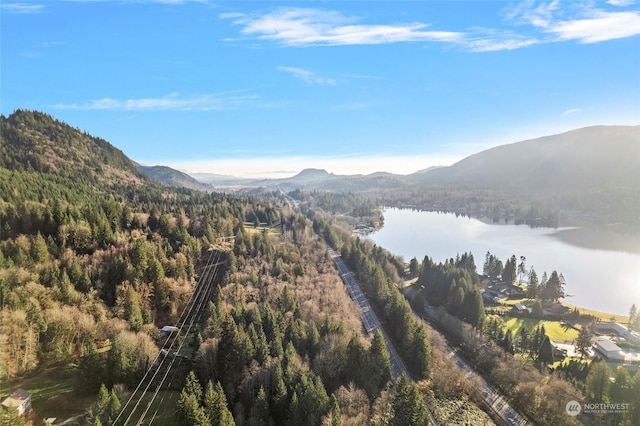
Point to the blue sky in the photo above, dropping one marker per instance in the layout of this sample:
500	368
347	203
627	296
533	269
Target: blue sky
269	88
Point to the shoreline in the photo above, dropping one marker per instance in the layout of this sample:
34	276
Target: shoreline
604	316
597	239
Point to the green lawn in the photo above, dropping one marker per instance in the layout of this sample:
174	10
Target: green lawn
51	393
554	329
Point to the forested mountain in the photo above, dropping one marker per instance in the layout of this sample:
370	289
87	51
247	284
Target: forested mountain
36	142
95	257
588	158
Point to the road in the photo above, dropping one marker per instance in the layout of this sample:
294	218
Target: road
507	414
370	319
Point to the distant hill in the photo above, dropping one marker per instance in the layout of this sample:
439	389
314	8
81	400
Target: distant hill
171	177
591	157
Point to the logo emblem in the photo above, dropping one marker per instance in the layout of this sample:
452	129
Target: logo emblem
573	408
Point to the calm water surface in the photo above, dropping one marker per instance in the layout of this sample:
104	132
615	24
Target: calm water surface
603	280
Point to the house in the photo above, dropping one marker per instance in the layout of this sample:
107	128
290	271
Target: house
609	350
619	329
522	309
19	400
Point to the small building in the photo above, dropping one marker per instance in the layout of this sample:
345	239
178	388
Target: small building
19	400
169	329
522	309
619	329
609	350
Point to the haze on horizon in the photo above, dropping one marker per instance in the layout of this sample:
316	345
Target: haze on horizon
267	89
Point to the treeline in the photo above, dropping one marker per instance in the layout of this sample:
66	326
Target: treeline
454	285
496	206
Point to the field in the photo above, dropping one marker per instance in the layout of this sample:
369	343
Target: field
556	331
51	393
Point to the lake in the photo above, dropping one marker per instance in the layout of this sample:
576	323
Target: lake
597	275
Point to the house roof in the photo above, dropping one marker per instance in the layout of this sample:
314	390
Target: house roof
608	346
16	399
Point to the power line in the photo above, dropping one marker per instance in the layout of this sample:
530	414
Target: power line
197	297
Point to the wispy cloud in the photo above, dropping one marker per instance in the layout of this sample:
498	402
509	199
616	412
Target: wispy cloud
534	23
584	24
571	111
309	77
22	8
207	102
312	27
621	3
489	41
601	26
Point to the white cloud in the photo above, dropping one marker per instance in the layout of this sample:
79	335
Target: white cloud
571	111
577	22
496	43
22	8
621	3
547	22
309	77
207	102
309	27
601	26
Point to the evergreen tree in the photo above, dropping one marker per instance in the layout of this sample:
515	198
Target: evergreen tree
101	404
192	386
408	405
598	381
132	310
113	408
295	416
509	272
39	251
215	406
554	287
379	362
90	370
336	419
583	342
545	353
278	395
358	370
260	408
533	290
